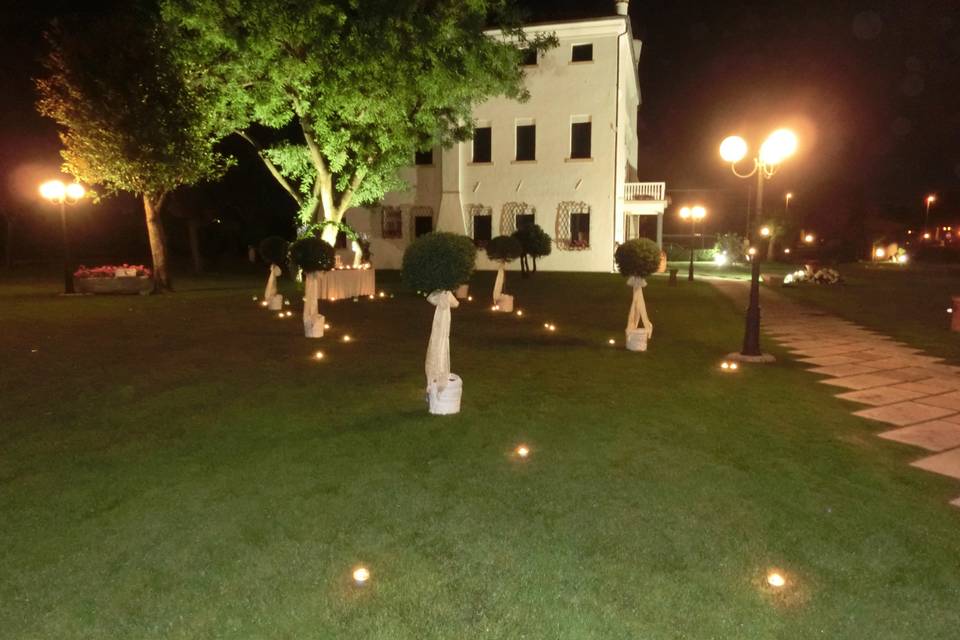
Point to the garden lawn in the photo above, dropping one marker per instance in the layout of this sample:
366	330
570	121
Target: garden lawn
181	467
909	303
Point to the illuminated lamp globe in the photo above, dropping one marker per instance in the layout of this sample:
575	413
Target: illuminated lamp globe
53	190
879	252
765	232
75	191
733	149
781	144
808	238
776	580
698	212
361	575
685	213
523	451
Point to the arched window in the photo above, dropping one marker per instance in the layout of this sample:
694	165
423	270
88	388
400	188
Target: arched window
481	224
422	220
391	223
573	226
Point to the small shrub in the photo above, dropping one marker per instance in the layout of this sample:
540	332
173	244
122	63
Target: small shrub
273	250
438	261
504	249
312	254
677	253
640	257
731	244
534	241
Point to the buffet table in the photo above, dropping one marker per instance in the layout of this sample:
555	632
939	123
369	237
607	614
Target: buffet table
339	284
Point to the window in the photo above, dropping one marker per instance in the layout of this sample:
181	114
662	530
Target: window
482	224
423	158
391	223
482	144
580	134
581	53
422	220
514	216
526	141
528	57
573	226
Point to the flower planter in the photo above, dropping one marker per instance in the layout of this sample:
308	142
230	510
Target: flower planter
636	339
505	303
122	285
446	402
462	292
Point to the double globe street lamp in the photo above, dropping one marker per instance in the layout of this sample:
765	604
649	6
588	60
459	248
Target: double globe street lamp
693	214
779	145
63	194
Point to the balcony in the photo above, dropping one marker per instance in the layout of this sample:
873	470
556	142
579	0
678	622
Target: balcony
640	191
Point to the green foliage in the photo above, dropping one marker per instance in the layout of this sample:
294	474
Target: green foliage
127	119
534	241
363	84
438	261
273	250
639	257
676	252
504	249
312	254
733	245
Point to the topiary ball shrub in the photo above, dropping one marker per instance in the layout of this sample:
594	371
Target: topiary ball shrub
504	249
640	257
273	250
438	261
312	254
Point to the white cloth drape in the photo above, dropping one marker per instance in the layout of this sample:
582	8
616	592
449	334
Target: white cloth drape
498	285
438	350
348	283
638	309
311	293
271	289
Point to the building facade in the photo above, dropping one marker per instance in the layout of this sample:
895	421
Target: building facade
565	159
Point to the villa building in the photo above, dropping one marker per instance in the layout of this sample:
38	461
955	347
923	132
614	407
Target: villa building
566	160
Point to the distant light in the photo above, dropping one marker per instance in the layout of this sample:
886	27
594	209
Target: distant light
280	315
520	313
725	365
774	579
765	232
698	212
685	212
752	251
318	355
546	325
469	298
733	149
326	325
255	298
781	144
950	310
931	198
808	238
611	341
902	258
361	575
75	191
347	338
264	303
789	196
289	313
926	236
495	307
523	451
909	232
53	190
787	251
879	252
372	297
720	259
383	294
734	366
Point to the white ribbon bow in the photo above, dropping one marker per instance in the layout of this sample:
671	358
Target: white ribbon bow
438	350
311	294
638	309
498	285
271	289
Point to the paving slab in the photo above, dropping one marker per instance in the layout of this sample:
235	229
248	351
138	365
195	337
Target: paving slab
947	400
907	374
879	396
946	463
926	386
956	502
842	370
936	435
827	361
894	362
864	381
904	413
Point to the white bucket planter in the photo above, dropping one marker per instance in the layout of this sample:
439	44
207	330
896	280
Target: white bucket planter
313	326
637	339
505	303
275	303
462	292
446	402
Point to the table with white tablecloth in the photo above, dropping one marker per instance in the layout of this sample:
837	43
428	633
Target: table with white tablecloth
340	284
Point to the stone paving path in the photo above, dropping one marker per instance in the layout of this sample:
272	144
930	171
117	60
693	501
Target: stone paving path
916	394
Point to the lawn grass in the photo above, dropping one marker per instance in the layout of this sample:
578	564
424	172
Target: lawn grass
909	303
179	467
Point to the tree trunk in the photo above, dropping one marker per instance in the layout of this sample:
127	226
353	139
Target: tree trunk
523	265
158	242
772	248
193	227
8	243
534	264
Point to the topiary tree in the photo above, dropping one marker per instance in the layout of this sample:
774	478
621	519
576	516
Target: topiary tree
535	244
438	263
503	249
273	251
313	256
637	259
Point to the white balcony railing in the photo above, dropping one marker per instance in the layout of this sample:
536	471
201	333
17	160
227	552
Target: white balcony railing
644	190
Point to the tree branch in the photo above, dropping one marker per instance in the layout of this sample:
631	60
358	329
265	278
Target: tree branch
272	168
324	184
347	195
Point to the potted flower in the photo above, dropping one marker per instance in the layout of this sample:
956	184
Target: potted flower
503	249
273	251
637	259
123	278
313	257
438	263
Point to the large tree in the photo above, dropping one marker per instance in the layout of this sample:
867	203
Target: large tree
337	95
127	119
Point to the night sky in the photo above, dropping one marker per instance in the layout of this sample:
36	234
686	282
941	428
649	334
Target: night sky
871	86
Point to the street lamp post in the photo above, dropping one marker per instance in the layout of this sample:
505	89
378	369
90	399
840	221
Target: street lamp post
779	145
63	194
692	214
926	218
